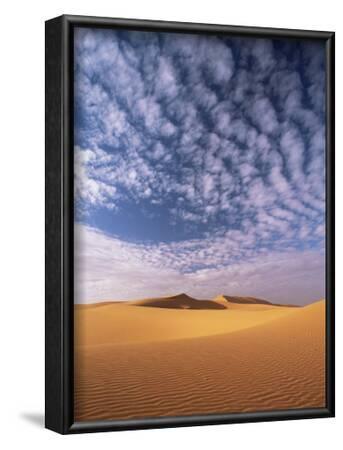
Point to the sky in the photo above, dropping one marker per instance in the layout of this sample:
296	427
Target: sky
199	166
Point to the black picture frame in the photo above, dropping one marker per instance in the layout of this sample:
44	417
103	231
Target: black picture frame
60	218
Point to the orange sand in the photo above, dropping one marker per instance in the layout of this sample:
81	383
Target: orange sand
174	357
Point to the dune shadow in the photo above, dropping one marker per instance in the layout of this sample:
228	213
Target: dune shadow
253	301
36	419
181	301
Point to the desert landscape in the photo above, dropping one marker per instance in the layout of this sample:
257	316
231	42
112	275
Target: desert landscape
179	356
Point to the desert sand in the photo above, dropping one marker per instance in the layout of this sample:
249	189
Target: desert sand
176	356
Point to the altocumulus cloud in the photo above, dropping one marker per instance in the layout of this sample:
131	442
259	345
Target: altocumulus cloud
220	139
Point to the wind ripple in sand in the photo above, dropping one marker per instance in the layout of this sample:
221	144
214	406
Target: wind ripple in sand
276	365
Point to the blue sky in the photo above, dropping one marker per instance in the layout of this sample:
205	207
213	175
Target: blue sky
199	166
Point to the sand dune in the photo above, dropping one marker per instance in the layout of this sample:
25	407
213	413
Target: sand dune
251	303
244	300
124	322
133	361
180	301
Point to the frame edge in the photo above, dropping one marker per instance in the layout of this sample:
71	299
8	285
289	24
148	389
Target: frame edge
330	224
53	227
194	27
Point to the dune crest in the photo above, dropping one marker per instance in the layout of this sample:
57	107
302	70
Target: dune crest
180	301
185	301
235	302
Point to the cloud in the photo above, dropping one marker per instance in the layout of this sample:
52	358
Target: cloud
264	115
90	190
221	139
108	268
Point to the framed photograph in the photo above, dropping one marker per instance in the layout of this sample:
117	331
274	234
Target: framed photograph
189	224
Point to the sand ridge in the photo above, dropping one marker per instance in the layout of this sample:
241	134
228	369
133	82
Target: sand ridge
130	322
133	361
179	301
232	302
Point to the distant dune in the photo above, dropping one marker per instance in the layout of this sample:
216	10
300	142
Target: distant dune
250	302
166	318
180	301
151	357
244	300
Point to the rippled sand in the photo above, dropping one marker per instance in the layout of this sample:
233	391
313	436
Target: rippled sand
138	360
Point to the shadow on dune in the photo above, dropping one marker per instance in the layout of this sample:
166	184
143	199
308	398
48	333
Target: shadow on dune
252	301
247	300
181	301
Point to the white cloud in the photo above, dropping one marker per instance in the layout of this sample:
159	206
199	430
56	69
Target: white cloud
107	268
88	189
136	94
221	134
264	115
